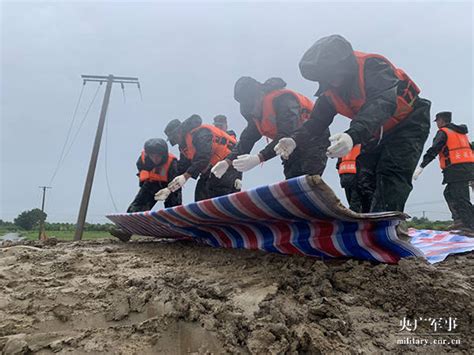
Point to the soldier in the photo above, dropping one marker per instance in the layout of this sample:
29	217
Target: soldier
201	146
156	168
456	159
388	118
273	111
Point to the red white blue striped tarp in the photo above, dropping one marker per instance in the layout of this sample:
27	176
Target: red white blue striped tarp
437	245
297	216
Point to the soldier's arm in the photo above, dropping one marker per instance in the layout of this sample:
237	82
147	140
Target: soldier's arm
439	141
202	142
321	118
250	135
141	166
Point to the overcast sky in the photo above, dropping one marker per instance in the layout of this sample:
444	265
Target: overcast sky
188	57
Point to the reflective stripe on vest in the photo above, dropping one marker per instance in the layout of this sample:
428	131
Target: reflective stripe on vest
267	125
457	149
348	162
407	93
161	175
222	144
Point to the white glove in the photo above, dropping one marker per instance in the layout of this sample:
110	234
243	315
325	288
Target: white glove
177	183
238	184
285	147
220	168
341	144
417	173
246	162
162	194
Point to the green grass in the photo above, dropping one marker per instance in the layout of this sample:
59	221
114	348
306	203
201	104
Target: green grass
63	235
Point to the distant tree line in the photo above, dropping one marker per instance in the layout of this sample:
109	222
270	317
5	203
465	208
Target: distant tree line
72	226
425	223
29	220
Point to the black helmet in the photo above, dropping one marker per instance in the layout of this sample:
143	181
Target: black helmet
220	119
327	56
172	127
156	146
246	89
273	84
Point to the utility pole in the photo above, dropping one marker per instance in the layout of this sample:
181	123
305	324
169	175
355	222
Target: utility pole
110	79
41	229
424	214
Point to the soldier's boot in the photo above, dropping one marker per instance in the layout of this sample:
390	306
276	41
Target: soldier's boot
120	234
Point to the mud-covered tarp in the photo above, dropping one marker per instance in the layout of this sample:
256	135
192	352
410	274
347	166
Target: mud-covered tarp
297	216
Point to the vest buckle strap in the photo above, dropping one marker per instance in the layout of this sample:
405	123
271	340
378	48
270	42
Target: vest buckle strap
409	93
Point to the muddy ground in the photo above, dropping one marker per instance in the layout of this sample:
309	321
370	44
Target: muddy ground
149	297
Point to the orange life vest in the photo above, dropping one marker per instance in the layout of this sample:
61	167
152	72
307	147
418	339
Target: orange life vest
222	144
160	175
267	125
407	93
348	161
457	149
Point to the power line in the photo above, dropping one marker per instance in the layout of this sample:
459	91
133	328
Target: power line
68	134
82	121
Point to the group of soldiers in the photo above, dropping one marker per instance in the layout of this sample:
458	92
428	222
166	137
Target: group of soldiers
377	155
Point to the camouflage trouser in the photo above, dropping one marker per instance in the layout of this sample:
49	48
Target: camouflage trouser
457	198
208	186
353	196
349	184
385	169
454	215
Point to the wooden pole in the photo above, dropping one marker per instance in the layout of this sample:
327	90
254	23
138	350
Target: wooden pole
110	79
81	219
41	229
